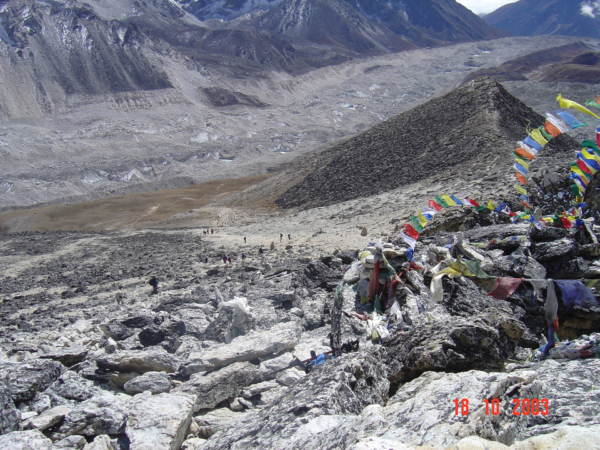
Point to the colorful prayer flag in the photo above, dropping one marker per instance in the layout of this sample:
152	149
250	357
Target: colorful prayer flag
411	231
558	123
522	170
521	178
422	219
448	200
520	190
435	205
504	287
408	240
528	148
490	205
532	143
570	119
537	136
524	153
458	202
584	168
473	202
523	163
441	201
564	103
551	129
416	224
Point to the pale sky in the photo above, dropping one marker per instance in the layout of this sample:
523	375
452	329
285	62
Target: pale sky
484	6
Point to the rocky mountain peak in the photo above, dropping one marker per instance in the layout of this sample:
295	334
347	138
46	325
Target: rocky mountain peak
475	126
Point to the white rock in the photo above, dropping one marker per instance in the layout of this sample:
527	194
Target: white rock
159	421
74	442
25	440
155	382
290	376
48	418
193	444
102	442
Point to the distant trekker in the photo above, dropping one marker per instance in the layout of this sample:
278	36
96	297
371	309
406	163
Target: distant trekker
154	283
290	237
224	259
212	231
243	257
244	239
280	237
260	250
229	259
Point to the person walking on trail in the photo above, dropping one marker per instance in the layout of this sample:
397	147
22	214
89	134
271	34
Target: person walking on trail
243	257
224	259
229	259
290	237
212	231
154	283
244	239
260	250
280	237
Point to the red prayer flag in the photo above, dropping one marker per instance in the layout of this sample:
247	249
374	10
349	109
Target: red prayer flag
551	129
473	202
526	205
435	206
566	222
505	287
598	135
411	231
521	178
374	281
583	166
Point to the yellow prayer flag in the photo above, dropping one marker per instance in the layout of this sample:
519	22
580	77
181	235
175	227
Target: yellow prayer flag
520	190
564	103
590	155
490	205
584	176
422	218
523	163
538	137
448	200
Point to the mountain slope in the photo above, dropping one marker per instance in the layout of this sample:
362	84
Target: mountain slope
537	17
468	134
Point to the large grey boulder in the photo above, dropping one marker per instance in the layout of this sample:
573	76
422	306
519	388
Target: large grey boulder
25	379
453	344
140	361
216	420
9	416
159	422
155	382
344	386
68	356
279	338
48	418
73	387
25	440
213	388
552	250
102	442
102	414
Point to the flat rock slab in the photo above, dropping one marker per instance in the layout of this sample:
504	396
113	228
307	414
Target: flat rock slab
25	440
217	386
25	379
279	338
140	361
48	418
155	382
159	422
68	356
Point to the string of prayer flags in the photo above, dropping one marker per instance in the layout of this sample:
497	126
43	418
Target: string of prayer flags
566	104
570	119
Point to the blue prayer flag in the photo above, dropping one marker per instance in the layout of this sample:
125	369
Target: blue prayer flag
458	202
529	141
570	119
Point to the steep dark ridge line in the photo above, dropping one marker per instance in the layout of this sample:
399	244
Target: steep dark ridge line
468	131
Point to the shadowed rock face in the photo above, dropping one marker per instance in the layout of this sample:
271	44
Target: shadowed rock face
536	17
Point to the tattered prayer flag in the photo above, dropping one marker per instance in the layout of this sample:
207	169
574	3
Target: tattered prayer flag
458	202
528	148
408	240
551	129
532	143
441	201
584	168
521	178
523	163
570	119
579	182
564	103
526	205
411	231
537	136
435	205
448	200
490	205
520	190
522	170
558	123
524	153
566	222
589	153
504	287
416	224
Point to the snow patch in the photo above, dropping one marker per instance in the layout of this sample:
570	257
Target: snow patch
5	187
